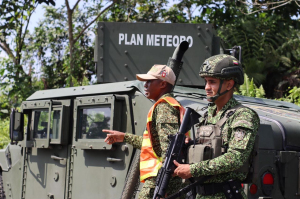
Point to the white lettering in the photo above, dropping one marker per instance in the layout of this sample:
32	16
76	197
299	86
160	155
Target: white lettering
182	38
150	40
162	40
139	39
175	41
169	40
156	43
154	40
132	41
121	38
190	40
126	41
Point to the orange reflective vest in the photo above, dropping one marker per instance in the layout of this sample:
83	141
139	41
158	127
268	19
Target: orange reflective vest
150	163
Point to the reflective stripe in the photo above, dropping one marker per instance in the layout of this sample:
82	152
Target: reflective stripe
146	142
148	163
149	119
151	174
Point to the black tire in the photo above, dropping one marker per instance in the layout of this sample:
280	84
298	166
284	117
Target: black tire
132	181
2	193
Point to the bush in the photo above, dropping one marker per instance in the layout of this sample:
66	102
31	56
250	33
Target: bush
293	96
249	89
4	133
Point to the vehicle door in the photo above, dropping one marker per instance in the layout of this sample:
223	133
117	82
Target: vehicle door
98	170
46	149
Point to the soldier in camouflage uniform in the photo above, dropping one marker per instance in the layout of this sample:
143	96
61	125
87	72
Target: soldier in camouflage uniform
165	121
222	73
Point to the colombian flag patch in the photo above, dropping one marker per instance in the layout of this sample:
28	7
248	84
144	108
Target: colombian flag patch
235	62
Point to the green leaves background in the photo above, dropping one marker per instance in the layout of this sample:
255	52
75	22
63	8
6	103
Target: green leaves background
41	59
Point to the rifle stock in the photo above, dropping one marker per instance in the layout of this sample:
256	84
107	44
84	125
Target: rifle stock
174	152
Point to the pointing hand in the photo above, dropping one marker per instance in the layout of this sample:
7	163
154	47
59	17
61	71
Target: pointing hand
113	136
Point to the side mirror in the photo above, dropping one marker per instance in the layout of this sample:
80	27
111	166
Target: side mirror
16	130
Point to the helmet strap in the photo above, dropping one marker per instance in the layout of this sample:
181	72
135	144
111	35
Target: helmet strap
213	98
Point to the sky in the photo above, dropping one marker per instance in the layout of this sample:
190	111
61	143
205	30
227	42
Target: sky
39	13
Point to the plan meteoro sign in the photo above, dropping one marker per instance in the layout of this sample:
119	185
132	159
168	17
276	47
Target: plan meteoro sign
125	49
153	40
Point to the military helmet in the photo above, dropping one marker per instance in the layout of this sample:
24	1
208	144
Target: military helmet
224	67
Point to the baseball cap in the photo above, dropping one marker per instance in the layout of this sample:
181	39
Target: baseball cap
162	72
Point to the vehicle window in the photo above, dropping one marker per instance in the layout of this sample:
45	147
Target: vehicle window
92	121
55	122
40	124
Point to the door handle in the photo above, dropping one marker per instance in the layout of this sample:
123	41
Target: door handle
56	157
113	159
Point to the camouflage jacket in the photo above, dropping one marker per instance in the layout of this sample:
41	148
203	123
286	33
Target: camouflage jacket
166	121
238	133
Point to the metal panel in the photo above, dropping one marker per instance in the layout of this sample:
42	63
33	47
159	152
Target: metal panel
82	91
63	129
92	102
94	176
141	106
96	173
298	193
291	171
46	173
13	179
37	105
125	49
100	53
61	105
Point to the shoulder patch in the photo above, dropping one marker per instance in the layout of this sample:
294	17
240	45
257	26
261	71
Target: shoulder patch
239	134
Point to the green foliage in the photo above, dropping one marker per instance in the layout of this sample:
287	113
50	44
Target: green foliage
267	41
14	14
4	133
16	70
4	105
250	89
52	35
293	96
257	36
289	51
270	41
136	11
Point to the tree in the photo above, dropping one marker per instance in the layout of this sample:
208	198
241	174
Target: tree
260	6
75	36
16	71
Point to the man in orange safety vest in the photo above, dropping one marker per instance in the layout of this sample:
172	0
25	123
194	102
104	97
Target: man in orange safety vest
164	118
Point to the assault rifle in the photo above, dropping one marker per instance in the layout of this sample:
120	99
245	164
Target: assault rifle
175	151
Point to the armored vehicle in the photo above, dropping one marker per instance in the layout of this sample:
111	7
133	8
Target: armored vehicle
61	154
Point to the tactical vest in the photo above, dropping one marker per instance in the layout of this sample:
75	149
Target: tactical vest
209	142
150	163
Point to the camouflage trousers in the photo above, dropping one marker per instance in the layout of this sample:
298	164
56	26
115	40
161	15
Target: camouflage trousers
147	191
219	196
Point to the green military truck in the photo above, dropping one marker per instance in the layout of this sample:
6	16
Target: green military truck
61	154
